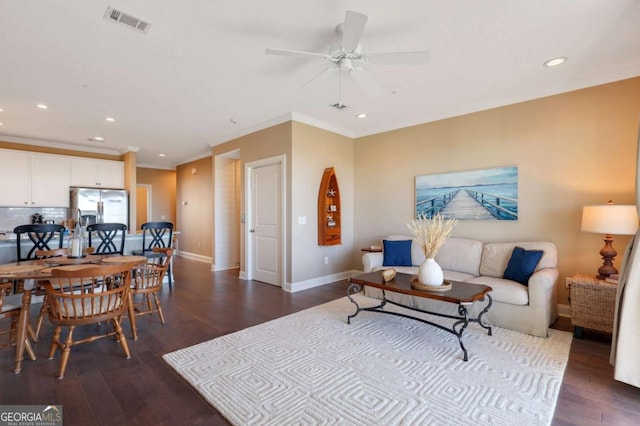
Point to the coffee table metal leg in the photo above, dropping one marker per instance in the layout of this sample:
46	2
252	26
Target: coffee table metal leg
484	311
356	288
458	333
353	288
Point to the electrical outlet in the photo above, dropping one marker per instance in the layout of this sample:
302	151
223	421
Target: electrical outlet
326	260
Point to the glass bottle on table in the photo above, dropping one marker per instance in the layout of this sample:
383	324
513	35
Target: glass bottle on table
76	242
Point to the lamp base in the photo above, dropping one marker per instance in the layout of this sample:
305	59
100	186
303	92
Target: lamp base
608	253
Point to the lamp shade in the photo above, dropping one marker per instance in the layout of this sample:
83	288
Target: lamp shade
610	219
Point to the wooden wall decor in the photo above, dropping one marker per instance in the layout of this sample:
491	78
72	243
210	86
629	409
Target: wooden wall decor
329	221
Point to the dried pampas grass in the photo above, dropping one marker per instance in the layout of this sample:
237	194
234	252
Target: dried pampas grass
431	233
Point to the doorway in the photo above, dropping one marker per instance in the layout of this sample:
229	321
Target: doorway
266	220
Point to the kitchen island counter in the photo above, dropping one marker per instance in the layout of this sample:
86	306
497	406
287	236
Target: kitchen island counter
132	241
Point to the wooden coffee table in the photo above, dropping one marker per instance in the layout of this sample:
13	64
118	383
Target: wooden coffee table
461	294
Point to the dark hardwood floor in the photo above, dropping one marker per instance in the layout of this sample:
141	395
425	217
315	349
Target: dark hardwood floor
101	387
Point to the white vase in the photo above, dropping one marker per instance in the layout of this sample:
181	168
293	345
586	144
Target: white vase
430	273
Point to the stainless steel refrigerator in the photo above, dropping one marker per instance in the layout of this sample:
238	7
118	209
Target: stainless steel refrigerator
100	205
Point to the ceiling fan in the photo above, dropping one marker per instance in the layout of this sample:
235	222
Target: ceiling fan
350	57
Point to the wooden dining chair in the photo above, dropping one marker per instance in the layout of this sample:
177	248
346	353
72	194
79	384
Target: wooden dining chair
107	238
156	234
48	254
10	305
147	283
71	307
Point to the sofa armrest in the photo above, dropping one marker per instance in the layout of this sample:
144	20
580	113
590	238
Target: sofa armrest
542	285
371	261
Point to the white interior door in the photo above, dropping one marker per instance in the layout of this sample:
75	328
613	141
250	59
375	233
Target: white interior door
265	229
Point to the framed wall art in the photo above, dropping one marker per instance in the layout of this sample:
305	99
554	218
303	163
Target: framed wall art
486	194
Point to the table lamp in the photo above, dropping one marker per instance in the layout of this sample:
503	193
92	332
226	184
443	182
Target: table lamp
609	219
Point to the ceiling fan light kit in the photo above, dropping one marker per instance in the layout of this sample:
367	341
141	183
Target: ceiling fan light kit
350	57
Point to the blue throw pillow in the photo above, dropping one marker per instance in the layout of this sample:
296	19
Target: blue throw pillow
522	265
396	253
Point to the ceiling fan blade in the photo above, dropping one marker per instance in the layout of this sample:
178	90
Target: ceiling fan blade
295	53
354	23
321	73
366	82
398	58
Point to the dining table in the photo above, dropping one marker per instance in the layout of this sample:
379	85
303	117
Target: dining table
30	272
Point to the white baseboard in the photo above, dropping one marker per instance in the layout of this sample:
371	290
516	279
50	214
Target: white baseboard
316	282
193	256
564	310
242	275
224	267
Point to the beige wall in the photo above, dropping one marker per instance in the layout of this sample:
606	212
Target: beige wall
163	192
572	149
259	145
314	150
308	151
195	207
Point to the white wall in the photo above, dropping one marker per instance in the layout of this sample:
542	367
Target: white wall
226	235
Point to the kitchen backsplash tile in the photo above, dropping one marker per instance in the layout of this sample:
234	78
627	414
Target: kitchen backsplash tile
10	217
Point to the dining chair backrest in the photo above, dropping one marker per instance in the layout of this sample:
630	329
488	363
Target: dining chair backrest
106	300
40	235
104	237
156	234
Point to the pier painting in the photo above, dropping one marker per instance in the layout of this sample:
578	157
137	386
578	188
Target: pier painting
487	194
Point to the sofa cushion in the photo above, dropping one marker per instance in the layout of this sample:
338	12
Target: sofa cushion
456	276
505	291
522	264
396	253
495	256
460	254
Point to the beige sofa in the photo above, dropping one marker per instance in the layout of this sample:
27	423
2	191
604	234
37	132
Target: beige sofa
527	309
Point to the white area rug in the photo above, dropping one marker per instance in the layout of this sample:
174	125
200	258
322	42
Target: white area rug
313	368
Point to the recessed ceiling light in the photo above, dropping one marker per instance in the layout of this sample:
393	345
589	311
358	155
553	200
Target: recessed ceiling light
110	119
1	110
98	138
1	123
161	155
42	106
554	62
361	115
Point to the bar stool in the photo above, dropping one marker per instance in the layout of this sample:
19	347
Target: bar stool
105	236
156	234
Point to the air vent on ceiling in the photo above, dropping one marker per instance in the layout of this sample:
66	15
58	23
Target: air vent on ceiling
339	105
127	20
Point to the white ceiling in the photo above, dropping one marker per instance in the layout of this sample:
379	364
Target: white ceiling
176	89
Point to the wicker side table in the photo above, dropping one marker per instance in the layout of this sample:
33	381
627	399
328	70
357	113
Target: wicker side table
592	303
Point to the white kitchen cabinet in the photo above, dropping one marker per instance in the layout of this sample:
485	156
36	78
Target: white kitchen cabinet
49	180
94	173
34	180
15	187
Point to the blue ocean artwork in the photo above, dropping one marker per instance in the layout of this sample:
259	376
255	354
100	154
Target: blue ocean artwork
487	194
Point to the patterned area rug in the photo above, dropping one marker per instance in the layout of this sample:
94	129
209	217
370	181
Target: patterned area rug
313	368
